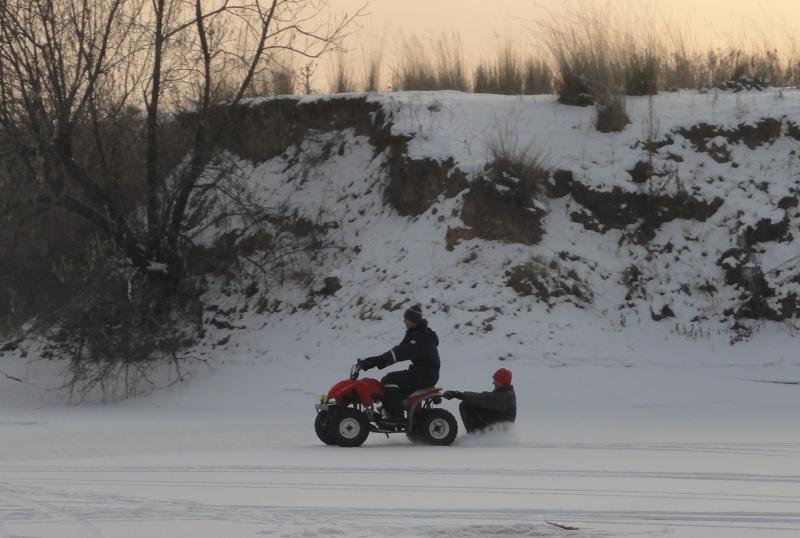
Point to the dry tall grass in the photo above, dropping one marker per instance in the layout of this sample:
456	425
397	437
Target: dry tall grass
640	63
340	75
597	51
511	157
451	72
414	69
511	72
502	74
593	65
729	68
372	58
537	76
436	65
586	56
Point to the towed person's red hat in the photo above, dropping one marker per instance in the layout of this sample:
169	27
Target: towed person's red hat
502	376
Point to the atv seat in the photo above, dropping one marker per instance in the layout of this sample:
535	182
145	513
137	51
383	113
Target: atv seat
420	394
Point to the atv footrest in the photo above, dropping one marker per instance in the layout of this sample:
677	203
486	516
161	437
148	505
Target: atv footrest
388	428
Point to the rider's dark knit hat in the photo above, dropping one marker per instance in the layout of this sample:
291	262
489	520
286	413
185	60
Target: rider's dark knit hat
413	314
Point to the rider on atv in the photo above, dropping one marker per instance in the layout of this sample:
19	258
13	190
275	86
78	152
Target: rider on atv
419	347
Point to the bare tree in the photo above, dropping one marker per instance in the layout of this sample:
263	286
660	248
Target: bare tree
71	71
54	59
109	116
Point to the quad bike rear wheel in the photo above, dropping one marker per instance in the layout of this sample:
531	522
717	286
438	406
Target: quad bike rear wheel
435	427
348	427
321	426
413	435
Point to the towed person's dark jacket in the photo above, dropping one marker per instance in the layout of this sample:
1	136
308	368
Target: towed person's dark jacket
501	402
420	347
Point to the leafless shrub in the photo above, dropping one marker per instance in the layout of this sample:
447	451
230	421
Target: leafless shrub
307	72
113	327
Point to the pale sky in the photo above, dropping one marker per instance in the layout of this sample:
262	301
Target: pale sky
479	20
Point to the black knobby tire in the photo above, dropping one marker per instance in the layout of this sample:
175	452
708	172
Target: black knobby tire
436	427
348	427
413	434
322	427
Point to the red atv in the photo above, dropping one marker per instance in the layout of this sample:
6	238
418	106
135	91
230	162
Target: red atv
347	413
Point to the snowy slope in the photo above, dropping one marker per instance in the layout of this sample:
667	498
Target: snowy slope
627	426
685	267
684	254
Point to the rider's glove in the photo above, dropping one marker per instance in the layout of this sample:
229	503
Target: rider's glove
450	394
370	362
378	361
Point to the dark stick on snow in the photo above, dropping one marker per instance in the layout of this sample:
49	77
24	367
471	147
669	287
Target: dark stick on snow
773	381
12	378
562	526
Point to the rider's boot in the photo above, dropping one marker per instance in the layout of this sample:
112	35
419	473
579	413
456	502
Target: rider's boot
392	404
386	416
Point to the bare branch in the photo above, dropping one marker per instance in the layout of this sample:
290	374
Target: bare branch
266	21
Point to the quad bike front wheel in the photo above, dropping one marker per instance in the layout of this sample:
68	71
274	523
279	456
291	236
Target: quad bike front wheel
347	427
321	424
436	427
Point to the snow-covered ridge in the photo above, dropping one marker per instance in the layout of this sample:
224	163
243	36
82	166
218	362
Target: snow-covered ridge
688	217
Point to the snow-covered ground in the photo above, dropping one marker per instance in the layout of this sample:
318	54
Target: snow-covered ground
626	426
626	434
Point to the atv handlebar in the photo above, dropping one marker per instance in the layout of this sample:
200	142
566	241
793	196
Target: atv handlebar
355	369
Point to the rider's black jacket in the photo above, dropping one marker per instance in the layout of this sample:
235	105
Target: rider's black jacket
420	347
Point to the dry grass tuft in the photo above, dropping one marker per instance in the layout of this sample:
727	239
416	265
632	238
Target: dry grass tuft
340	75
612	116
373	64
442	69
503	74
